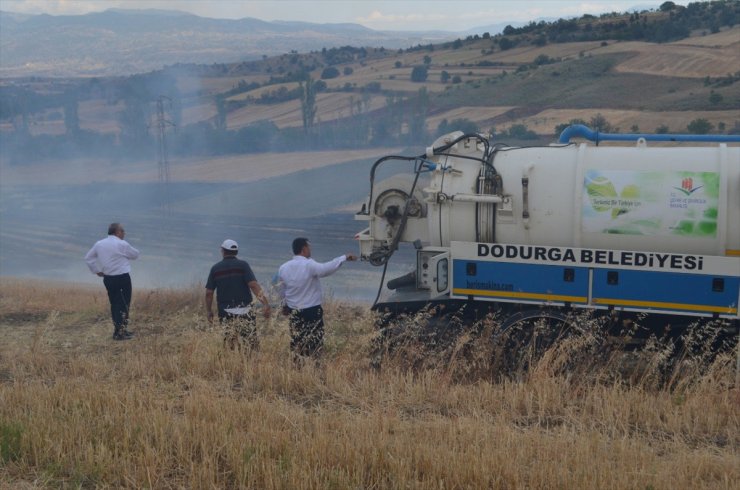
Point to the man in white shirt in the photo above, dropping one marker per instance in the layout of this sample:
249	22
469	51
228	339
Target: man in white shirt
299	286
109	259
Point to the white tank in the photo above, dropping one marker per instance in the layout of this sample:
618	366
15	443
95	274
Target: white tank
674	199
682	199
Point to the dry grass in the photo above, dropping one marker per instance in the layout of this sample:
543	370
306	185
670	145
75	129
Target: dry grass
173	409
723	39
714	55
329	107
677	60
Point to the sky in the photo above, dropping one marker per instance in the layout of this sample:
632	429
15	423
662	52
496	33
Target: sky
402	15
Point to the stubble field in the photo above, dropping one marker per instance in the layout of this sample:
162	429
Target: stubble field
173	409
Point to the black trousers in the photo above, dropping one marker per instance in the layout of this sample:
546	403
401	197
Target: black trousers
240	331
307	331
119	295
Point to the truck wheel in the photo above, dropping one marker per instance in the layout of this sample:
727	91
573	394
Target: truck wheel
413	338
526	336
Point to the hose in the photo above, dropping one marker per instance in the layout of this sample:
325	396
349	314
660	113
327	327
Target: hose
382	257
380	287
385	256
581	131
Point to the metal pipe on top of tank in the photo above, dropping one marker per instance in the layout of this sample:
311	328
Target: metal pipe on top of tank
581	131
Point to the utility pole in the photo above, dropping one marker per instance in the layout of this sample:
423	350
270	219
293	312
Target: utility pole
163	163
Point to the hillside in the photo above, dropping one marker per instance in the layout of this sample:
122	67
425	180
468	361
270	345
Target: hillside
521	86
136	41
586	77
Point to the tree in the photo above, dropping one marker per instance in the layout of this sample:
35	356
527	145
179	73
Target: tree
521	132
220	120
444	77
387	127
662	129
71	116
372	87
599	123
419	111
13	105
465	125
329	72
715	98
427	59
561	127
667	6
398	64
176	109
505	43
456	79
308	104
347	70
133	120
700	126
419	74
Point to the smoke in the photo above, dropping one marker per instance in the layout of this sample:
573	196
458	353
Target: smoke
47	227
55	206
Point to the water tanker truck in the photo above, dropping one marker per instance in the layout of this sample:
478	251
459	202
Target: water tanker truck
648	228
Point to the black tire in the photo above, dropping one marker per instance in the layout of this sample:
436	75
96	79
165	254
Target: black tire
526	336
412	337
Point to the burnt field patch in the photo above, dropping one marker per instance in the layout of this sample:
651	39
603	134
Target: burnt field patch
46	230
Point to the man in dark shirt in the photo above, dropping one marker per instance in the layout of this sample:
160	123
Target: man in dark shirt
235	283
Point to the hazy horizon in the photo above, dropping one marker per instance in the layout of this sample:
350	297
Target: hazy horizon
384	15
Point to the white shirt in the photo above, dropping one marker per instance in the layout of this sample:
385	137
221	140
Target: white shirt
111	256
299	280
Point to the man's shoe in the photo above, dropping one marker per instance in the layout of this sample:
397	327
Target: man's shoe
128	333
121	336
